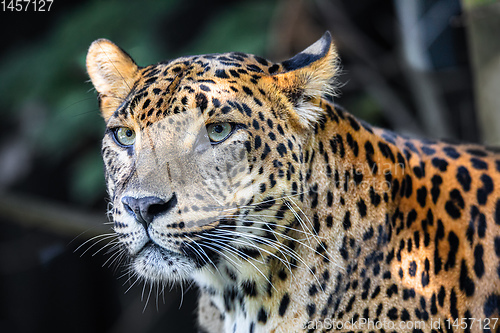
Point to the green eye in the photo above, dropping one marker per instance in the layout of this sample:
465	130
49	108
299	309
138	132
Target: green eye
219	131
125	136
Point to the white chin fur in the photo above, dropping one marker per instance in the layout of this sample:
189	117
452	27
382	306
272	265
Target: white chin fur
156	264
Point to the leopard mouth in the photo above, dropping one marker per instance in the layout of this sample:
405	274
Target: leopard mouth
162	261
151	247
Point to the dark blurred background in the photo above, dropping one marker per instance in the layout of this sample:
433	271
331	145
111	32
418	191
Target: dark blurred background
420	67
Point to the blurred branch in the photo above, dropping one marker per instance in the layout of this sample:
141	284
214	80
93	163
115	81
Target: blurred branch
53	217
483	24
354	41
431	109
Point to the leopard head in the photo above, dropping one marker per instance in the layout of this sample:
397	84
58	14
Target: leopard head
204	155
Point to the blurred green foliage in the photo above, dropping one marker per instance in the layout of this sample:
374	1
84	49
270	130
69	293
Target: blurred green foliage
476	3
50	73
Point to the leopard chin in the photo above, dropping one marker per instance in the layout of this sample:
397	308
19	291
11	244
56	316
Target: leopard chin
154	263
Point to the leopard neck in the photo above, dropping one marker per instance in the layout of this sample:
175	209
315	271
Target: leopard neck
354	172
355	178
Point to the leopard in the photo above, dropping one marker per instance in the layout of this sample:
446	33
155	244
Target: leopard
243	176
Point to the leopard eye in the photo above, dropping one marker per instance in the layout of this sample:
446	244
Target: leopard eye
125	136
219	131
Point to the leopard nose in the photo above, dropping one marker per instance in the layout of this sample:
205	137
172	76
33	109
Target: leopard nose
145	209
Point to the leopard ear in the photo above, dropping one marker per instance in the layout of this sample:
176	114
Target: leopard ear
308	76
112	72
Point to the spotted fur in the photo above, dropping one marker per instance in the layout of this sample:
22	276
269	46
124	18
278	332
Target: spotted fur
318	215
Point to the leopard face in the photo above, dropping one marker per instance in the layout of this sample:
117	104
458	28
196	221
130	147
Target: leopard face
288	213
197	150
